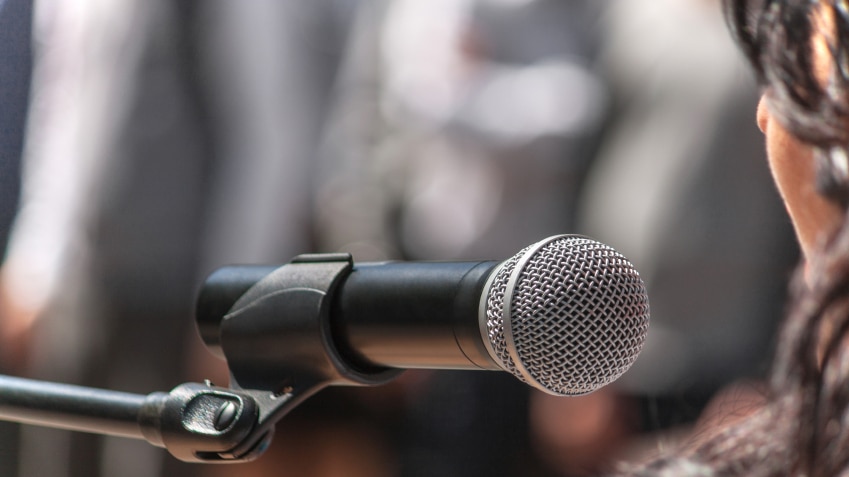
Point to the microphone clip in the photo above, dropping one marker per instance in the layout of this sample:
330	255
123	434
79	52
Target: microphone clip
275	361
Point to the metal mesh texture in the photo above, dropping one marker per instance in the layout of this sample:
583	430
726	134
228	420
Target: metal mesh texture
495	313
578	315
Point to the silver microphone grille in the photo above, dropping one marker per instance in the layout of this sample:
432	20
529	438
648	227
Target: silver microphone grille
566	315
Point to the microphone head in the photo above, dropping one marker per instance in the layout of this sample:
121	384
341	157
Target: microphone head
567	315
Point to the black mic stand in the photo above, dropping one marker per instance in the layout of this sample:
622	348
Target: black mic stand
273	368
195	422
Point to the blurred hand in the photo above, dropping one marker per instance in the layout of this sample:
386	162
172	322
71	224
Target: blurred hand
16	323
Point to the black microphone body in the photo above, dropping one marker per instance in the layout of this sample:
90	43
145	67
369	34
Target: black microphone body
414	315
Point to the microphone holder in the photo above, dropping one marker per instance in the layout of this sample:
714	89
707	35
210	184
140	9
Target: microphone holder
275	363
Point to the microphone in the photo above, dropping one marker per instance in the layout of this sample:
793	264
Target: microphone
566	315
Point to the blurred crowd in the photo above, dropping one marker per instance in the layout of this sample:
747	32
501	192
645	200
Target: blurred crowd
143	144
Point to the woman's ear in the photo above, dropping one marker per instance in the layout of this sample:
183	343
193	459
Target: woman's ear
793	167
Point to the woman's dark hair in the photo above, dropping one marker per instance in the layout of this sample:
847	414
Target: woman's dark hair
803	429
777	37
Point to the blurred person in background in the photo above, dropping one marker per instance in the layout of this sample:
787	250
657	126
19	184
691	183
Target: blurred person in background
461	127
164	140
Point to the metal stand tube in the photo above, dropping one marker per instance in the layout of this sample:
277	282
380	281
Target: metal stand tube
70	407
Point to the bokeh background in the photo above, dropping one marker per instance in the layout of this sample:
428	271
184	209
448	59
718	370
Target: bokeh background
145	143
